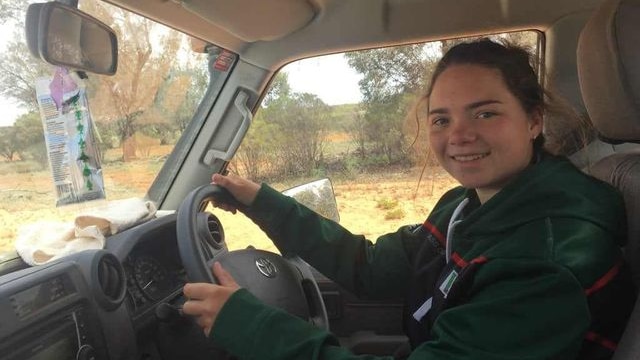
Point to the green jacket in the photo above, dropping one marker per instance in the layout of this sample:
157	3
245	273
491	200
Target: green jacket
548	240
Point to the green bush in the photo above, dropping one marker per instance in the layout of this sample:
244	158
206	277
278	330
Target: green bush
394	214
387	204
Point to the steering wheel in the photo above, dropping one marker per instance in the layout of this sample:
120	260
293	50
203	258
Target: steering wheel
286	283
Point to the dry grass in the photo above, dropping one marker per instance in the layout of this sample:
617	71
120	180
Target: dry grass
358	200
358	205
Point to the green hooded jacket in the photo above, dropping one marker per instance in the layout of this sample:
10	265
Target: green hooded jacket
548	241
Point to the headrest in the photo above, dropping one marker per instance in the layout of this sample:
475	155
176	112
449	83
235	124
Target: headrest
609	69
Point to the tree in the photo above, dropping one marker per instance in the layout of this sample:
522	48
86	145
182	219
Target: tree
9	143
11	10
393	82
124	102
392	79
181	92
18	69
30	136
123	98
279	89
302	119
257	155
25	139
287	134
146	54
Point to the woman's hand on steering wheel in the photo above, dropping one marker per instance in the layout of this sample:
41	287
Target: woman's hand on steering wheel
242	189
206	300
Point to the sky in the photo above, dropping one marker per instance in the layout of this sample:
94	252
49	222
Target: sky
329	77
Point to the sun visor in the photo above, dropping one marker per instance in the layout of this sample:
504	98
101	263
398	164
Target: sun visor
254	20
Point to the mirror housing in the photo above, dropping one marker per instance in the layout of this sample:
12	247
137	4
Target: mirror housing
317	196
65	36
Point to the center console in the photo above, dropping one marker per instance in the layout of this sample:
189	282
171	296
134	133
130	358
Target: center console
61	312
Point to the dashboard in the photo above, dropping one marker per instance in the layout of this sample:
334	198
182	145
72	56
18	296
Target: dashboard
153	272
121	302
97	304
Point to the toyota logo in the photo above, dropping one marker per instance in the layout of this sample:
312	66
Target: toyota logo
266	267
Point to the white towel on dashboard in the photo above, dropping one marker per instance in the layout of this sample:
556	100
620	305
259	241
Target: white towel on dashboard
46	241
117	215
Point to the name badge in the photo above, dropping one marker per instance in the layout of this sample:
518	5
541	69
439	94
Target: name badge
448	282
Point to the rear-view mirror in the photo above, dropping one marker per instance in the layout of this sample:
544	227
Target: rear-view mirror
71	38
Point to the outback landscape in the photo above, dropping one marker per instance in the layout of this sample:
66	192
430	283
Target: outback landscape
369	204
373	147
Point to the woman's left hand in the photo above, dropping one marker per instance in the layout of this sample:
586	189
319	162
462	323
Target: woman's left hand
206	300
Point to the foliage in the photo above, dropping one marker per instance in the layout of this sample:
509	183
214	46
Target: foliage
18	69
11	10
124	97
106	135
193	81
30	135
152	90
393	83
387	203
392	79
394	214
155	90
257	155
392	208
9	142
301	119
287	135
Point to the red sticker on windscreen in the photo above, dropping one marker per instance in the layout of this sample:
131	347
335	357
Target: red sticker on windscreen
224	61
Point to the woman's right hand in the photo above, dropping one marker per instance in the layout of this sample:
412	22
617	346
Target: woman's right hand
242	189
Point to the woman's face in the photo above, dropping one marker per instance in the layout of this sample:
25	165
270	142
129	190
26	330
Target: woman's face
478	130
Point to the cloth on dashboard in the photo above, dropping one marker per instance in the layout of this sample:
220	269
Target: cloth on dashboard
117	215
45	241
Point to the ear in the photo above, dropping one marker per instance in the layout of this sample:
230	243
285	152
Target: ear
536	123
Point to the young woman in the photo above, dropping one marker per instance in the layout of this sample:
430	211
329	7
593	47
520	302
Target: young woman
522	261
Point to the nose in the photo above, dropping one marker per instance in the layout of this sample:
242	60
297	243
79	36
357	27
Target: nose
461	132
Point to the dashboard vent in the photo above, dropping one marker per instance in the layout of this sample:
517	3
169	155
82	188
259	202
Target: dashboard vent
215	229
110	280
210	232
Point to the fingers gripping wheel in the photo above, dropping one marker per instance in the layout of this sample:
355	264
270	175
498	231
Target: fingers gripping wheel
287	284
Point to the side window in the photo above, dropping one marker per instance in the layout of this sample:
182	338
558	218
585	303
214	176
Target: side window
350	117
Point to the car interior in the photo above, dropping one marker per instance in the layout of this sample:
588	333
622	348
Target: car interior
88	306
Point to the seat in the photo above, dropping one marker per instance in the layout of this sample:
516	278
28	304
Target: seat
608	58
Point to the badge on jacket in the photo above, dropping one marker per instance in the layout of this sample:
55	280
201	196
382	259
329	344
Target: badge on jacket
448	282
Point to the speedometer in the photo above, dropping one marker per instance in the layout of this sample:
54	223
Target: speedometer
152	278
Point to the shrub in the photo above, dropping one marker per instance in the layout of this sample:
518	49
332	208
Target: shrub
387	204
394	214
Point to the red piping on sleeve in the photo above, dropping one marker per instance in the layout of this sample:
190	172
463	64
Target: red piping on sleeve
604	280
459	260
432	229
463	263
591	336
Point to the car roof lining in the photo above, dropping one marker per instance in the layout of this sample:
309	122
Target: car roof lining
335	25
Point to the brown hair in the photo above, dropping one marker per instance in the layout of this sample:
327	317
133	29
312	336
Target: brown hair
516	65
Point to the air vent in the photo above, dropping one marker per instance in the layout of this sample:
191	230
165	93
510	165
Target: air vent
211	232
215	229
110	283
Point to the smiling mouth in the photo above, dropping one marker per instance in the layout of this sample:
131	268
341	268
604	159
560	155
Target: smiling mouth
470	157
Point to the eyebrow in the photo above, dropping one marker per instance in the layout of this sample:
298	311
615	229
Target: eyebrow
471	106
